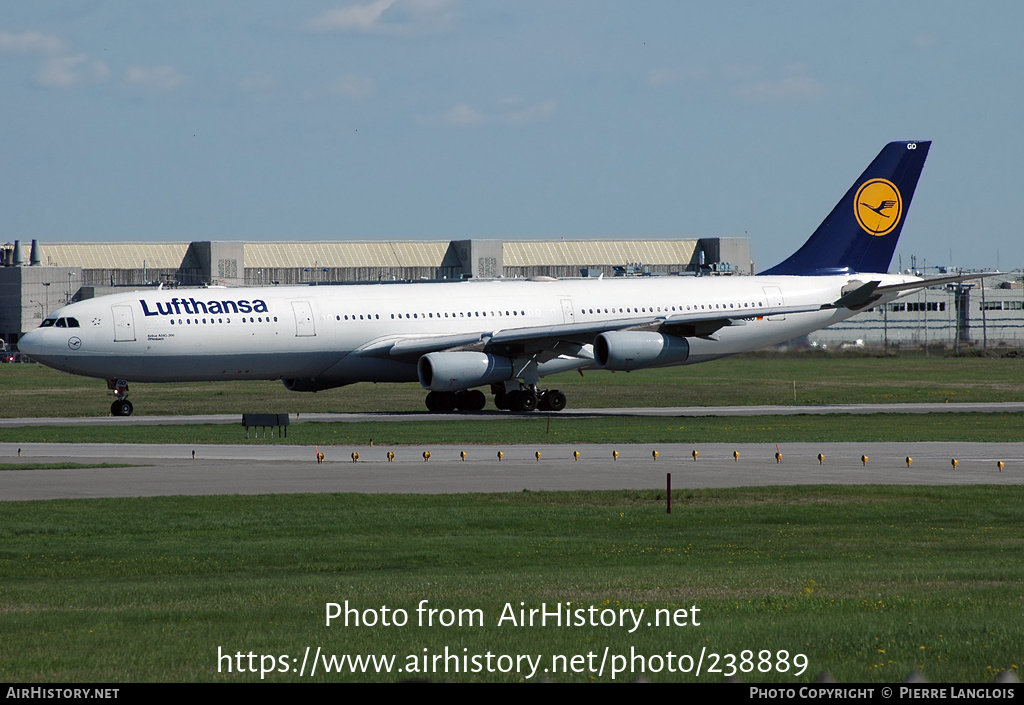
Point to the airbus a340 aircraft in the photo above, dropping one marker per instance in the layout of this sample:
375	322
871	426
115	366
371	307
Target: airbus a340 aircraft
503	334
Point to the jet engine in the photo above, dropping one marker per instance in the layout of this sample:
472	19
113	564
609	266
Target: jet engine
454	371
636	350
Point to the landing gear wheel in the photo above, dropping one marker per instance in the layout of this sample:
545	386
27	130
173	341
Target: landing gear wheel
526	400
554	400
441	402
433	402
512	400
472	400
501	401
122	407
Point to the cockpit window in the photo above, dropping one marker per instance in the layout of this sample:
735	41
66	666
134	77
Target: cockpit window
48	322
73	322
62	323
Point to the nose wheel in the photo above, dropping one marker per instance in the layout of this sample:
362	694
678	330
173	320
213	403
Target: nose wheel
121	405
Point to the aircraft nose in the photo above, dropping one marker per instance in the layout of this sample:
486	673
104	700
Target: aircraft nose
31	343
42	346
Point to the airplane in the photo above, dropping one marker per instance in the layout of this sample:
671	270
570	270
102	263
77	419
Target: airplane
505	335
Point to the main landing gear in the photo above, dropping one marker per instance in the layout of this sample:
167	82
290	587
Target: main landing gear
520	400
527	399
469	400
121	405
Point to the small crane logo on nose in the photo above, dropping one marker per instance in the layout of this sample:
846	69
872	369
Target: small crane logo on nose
75	343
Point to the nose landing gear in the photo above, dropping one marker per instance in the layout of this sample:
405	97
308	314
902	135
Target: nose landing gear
121	405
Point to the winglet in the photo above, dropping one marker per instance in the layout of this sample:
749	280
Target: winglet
860	233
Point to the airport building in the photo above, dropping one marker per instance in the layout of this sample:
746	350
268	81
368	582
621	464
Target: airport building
985	313
55	274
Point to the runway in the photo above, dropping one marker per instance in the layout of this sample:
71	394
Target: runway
667	411
155	469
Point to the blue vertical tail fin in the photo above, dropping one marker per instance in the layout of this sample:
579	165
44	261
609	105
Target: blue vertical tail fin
860	233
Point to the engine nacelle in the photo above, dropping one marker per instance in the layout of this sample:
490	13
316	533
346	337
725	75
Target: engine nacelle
455	371
635	350
311	385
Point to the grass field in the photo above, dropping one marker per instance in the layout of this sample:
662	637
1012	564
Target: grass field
868	583
517	430
766	378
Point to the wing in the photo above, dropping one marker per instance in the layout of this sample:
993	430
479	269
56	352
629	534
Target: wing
549	342
571	340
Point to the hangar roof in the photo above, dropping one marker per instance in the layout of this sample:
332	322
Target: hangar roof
572	252
410	253
114	255
345	254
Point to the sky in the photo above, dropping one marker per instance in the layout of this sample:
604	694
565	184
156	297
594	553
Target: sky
449	119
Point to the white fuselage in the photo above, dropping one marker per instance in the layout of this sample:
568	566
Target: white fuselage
323	332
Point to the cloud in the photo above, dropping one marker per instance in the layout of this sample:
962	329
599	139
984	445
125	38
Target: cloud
532	113
157	78
385	17
354	18
509	112
30	43
463	115
351	86
786	88
666	76
66	71
257	82
924	41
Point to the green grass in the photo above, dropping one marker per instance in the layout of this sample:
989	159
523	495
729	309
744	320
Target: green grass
765	378
1001	427
59	466
869	583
